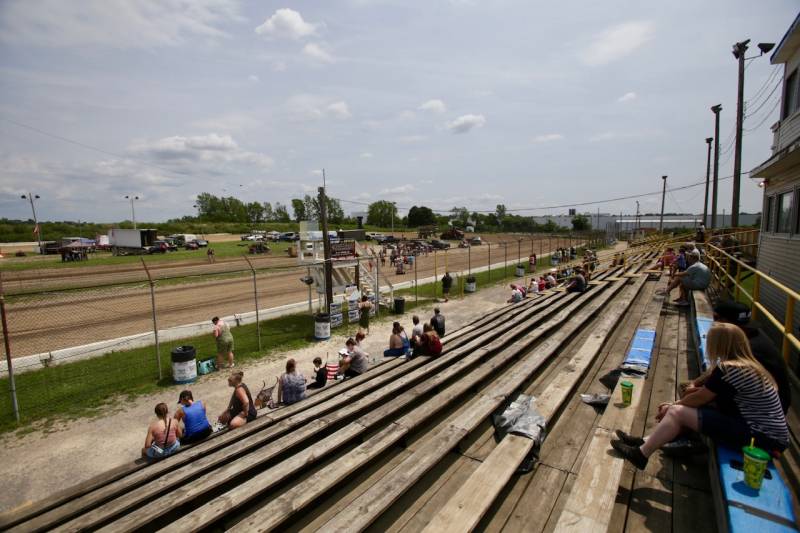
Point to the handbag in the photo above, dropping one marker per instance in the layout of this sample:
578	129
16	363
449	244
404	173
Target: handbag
159	451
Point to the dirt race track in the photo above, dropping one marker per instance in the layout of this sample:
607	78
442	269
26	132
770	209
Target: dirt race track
60	319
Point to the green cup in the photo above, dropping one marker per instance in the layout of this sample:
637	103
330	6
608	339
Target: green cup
627	392
755	465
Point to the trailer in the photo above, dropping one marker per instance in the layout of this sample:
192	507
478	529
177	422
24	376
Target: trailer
131	241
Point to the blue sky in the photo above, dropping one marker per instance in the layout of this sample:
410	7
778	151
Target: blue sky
438	103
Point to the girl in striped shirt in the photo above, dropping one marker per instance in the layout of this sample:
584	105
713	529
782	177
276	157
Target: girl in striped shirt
748	405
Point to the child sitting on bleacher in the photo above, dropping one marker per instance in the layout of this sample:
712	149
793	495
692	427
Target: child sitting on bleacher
320	374
746	396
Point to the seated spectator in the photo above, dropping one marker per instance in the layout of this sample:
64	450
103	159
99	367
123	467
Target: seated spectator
193	415
162	435
355	362
360	336
761	347
533	287
398	342
577	283
667	259
320	374
550	279
516	294
437	321
542	284
241	408
696	277
428	343
292	385
680	262
746	395
417	329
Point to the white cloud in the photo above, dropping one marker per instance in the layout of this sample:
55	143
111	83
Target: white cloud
435	106
548	137
206	148
114	23
287	23
366	155
464	123
339	110
318	53
253	78
406	115
226	123
627	97
617	42
401	189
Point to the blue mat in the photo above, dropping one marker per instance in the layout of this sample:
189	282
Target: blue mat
763	511
703	325
641	349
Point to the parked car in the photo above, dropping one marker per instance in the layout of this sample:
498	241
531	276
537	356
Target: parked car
252	237
475	241
374	235
202	243
192	245
439	244
158	247
290	236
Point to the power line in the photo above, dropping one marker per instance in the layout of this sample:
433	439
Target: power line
756	110
766	117
764	85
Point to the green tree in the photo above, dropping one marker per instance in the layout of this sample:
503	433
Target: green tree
460	214
421	216
500	211
255	212
581	223
299	208
381	213
281	213
269	213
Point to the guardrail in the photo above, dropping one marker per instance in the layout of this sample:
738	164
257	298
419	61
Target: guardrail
722	263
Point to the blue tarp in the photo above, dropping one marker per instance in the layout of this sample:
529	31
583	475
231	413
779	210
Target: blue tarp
641	349
703	325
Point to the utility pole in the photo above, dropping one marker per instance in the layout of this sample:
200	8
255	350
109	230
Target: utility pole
36	227
326	244
708	177
133	210
739	50
715	109
638	225
663	194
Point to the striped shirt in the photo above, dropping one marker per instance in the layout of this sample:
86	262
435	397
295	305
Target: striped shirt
758	403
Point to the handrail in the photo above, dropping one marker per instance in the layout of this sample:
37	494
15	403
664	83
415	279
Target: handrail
723	271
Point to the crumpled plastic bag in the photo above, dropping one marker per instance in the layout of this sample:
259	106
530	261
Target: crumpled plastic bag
521	418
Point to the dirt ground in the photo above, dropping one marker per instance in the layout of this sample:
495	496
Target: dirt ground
48	460
42	324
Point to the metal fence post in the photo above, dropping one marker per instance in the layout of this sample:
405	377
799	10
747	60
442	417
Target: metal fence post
416	291
435	273
255	298
469	259
490	261
377	288
155	320
12	387
505	260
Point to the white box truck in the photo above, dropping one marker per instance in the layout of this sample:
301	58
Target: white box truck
131	241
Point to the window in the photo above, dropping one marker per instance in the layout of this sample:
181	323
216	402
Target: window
790	95
768	214
784	222
796	212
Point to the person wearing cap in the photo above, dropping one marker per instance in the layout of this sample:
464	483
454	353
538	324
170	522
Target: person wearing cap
696	277
193	415
765	353
437	321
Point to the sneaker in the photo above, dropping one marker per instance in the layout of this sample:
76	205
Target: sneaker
630	440
632	453
681	303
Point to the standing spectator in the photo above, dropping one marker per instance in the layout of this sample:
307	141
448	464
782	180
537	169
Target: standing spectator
210	254
241	408
292	385
162	435
320	374
355	362
193	415
417	329
447	282
437	321
364	308
532	263
224	339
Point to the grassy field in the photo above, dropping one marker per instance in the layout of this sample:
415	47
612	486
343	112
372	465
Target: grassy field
221	250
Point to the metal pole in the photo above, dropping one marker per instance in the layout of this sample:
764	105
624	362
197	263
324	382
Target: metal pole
310	309
326	244
435	273
416	288
155	321
505	260
663	194
739	50
490	261
377	288
12	387
714	184
469	260
255	297
708	178
36	224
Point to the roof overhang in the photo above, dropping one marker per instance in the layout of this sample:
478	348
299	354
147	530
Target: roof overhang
779	163
788	45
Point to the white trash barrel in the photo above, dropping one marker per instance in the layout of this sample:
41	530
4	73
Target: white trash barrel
322	326
184	365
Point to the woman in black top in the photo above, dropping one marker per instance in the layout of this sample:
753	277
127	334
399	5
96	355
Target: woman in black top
746	396
241	409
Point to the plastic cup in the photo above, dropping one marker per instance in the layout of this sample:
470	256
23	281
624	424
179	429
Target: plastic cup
755	465
627	392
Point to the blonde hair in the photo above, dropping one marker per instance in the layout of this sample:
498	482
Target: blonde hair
728	344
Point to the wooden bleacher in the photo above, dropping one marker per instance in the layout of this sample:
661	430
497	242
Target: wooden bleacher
389	450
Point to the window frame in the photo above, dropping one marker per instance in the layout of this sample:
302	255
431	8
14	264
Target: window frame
782	214
769	208
791	84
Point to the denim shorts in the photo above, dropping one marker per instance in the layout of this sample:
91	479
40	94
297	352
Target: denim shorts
157	452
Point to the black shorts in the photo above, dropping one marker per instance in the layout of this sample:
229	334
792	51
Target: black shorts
350	373
732	430
197	437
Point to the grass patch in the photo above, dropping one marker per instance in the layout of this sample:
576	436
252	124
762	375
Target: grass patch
88	387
